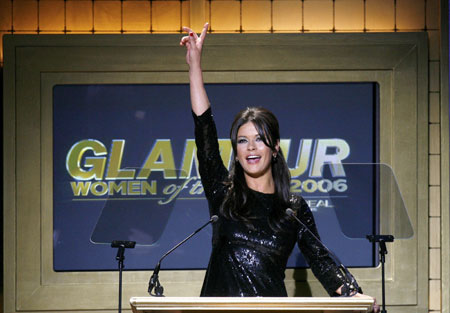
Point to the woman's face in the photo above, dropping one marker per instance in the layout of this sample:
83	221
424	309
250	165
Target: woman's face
252	153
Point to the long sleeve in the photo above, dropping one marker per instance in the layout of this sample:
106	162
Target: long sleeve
318	258
212	170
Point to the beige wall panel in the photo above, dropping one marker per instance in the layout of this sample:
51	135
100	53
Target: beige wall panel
186	13
435	201
435	176
409	14
287	15
434	45
136	16
445	174
198	14
79	16
28	217
435	263
166	16
432	14
51	15
1	45
36	63
25	15
380	15
207	9
349	15
9	242
435	295
225	15
435	139
256	15
5	15
318	15
435	107
434	76
435	232
107	16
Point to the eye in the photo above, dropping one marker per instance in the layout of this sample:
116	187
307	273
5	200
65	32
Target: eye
241	140
258	139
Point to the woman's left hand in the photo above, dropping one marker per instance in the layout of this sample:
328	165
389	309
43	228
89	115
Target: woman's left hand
376	307
194	45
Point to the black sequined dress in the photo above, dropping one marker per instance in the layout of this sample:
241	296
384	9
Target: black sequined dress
251	261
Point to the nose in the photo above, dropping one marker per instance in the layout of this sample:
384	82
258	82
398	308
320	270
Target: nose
251	145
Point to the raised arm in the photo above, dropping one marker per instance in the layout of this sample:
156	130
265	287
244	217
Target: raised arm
194	45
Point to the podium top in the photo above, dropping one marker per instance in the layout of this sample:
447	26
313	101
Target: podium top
223	304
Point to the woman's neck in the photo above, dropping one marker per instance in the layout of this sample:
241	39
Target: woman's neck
264	184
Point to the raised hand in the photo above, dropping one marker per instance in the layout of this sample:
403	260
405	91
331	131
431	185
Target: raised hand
194	45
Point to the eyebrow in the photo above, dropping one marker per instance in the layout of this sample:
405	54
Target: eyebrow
243	136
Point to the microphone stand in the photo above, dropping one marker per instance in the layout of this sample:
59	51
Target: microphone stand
336	260
154	279
121	245
382	239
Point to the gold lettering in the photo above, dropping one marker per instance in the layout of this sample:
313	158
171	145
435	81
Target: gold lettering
134	187
197	188
96	164
80	188
304	151
320	157
116	188
174	190
146	187
103	188
159	159
115	161
226	151
189	159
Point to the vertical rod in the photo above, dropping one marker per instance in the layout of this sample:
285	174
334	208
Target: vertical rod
383	292
120	286
383	296
120	257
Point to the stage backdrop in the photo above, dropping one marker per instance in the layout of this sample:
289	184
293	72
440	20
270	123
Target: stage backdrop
125	168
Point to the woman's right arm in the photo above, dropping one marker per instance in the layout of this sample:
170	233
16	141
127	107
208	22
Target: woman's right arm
211	168
194	45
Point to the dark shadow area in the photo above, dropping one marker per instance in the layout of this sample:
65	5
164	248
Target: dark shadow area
1	184
301	290
300	276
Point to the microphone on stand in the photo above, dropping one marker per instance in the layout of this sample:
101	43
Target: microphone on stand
347	274
154	279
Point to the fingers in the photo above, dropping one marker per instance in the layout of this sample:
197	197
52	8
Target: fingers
192	38
187	39
204	32
187	29
184	40
190	32
376	306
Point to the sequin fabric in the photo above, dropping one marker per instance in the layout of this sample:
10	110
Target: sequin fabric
249	259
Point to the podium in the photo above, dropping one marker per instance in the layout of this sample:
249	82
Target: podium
236	304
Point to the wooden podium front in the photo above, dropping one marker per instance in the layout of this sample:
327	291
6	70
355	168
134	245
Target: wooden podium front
231	304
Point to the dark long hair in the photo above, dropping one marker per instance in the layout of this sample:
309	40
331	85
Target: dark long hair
236	203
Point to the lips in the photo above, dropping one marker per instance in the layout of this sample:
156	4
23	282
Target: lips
252	159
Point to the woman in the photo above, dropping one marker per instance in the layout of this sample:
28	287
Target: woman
254	237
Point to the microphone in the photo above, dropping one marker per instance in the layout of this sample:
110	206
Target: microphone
347	274
154	280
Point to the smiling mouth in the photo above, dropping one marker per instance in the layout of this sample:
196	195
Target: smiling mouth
253	159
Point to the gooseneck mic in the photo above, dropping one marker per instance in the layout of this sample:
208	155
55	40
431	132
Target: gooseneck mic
154	280
348	275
